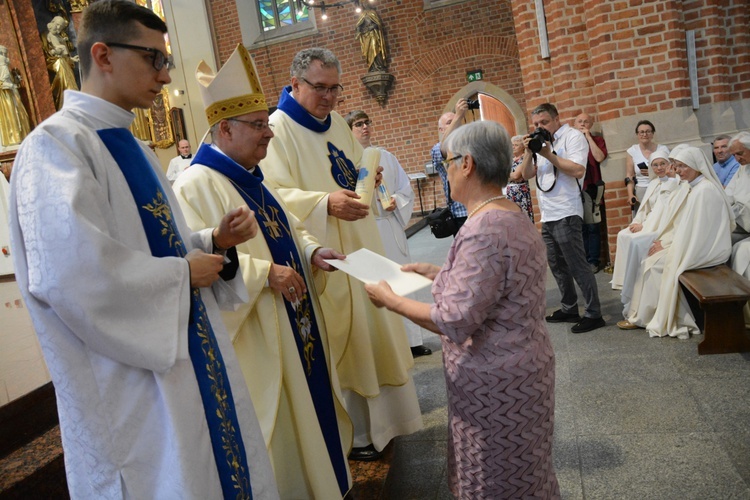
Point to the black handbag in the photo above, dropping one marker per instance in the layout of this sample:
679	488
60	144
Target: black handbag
441	221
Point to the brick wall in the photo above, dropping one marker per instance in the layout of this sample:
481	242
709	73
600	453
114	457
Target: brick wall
429	55
618	60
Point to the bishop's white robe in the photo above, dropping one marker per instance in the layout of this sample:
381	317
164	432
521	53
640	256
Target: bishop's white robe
392	224
264	341
112	319
369	345
701	239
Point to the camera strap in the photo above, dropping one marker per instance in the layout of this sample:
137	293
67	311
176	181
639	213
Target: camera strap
536	176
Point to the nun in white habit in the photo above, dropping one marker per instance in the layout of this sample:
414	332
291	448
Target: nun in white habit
703	222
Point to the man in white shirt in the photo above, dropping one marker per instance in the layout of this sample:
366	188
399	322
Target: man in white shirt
123	296
559	167
179	163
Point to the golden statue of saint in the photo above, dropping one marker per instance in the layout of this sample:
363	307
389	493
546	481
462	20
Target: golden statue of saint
14	120
370	35
57	48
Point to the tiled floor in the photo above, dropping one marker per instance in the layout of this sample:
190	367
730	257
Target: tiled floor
635	417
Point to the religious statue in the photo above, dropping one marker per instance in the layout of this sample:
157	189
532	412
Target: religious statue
370	35
14	120
57	48
78	5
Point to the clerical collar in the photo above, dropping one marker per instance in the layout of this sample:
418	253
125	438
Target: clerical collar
296	112
664	179
186	157
251	170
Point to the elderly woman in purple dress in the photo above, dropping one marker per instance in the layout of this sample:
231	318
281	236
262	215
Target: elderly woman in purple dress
489	310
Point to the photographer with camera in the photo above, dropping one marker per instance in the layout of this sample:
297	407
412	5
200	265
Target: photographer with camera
556	155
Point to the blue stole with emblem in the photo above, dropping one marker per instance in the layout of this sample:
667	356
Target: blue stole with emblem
165	241
342	169
278	235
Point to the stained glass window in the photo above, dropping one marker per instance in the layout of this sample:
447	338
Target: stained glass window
276	14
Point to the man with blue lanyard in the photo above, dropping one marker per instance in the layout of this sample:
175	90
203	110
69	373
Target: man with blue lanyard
123	296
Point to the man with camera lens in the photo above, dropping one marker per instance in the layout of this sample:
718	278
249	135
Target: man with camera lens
446	124
557	155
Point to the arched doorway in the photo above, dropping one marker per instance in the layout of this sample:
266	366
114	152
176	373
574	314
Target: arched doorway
494	104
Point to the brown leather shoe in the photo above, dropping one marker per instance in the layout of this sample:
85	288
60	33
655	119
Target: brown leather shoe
627	325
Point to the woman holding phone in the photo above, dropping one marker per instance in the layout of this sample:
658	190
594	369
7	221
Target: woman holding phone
637	162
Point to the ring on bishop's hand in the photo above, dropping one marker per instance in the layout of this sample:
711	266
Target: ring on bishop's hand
292	289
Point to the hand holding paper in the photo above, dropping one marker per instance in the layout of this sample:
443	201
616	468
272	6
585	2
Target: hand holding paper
370	267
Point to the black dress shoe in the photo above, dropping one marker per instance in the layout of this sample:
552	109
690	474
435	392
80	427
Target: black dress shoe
420	350
562	317
588	324
366	454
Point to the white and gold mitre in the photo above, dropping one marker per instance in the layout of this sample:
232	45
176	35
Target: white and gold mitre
235	90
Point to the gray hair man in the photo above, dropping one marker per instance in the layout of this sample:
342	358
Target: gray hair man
726	164
312	162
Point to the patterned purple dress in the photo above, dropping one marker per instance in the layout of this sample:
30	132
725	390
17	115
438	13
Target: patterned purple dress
499	362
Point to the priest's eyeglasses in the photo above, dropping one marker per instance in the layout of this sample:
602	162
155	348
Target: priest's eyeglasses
258	125
447	163
322	90
360	123
158	59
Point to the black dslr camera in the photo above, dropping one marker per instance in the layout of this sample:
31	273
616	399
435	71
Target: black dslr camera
537	139
473	104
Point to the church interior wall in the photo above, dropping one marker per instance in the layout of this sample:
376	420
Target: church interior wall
619	60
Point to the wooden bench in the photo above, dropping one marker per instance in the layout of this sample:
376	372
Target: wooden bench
722	294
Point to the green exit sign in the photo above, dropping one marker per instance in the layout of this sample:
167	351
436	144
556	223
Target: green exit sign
474	76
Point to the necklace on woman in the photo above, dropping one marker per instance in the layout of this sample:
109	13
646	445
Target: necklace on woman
485	202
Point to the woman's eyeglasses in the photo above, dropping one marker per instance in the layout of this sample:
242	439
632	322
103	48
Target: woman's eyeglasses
447	163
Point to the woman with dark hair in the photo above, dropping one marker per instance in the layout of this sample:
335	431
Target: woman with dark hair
489	311
637	162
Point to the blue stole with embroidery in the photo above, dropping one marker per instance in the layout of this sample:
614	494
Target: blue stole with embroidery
342	169
278	235
165	241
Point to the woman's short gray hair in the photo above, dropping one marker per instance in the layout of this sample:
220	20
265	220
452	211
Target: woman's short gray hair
489	144
304	58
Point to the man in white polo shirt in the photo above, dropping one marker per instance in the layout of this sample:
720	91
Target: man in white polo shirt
559	166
